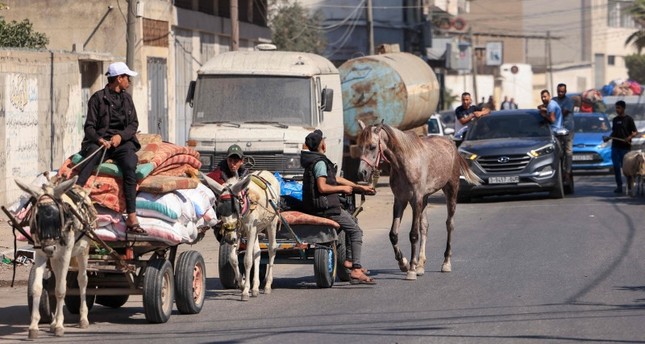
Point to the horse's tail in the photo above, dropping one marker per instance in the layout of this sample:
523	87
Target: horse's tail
468	174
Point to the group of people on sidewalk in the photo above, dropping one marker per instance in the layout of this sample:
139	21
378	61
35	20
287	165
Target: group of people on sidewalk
558	111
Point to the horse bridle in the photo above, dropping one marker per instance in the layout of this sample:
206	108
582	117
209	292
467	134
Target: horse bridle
380	157
66	224
239	203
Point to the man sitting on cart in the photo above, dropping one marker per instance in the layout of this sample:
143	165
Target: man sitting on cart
320	189
230	167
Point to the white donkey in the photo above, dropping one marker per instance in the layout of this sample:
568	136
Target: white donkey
58	236
246	208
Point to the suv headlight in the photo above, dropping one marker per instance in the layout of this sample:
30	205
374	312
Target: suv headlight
468	155
544	150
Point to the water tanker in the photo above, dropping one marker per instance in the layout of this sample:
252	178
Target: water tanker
398	88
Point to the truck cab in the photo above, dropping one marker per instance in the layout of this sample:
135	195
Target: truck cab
266	102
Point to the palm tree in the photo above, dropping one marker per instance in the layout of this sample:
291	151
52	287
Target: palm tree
637	11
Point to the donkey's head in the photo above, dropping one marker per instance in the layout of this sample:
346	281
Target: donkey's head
230	204
371	142
48	216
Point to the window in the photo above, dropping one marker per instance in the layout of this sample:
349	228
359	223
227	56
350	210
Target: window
611	60
618	14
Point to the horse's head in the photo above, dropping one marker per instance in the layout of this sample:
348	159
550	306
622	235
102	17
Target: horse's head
229	204
372	142
48	215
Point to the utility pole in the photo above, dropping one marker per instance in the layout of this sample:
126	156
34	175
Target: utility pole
550	61
370	28
131	36
235	26
473	62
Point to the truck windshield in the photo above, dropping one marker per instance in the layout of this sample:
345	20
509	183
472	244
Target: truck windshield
284	100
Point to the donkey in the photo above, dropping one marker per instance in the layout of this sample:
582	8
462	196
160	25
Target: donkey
419	167
58	236
246	208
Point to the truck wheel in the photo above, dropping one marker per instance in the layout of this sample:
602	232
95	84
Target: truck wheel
325	266
47	304
341	253
190	282
73	302
226	272
158	291
112	301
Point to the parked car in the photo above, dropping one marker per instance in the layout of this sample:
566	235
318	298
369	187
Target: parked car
513	152
437	127
589	150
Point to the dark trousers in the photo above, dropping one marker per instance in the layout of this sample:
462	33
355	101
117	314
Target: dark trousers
617	155
125	157
354	232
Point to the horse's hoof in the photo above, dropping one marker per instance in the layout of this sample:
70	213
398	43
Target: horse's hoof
84	324
245	297
255	293
446	267
267	290
403	265
421	271
33	334
59	332
411	276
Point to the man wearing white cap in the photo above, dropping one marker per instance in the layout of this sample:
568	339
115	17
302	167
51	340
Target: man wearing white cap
112	123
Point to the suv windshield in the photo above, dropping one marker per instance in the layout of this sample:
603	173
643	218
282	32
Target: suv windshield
517	125
237	98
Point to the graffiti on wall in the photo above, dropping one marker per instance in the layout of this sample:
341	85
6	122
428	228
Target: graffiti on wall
21	128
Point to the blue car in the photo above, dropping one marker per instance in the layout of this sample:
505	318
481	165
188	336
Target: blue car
589	150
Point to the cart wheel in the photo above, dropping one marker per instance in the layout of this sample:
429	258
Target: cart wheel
341	252
325	266
47	305
190	282
73	302
112	301
158	291
226	272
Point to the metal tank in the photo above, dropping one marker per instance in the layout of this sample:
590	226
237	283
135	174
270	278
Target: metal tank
398	88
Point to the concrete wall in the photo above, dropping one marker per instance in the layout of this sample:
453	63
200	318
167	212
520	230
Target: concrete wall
41	119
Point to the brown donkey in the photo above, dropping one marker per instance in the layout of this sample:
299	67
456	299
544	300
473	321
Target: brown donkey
419	167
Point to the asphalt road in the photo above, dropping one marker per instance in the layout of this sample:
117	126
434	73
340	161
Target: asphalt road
526	269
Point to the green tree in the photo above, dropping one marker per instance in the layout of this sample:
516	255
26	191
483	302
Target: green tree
21	35
637	39
636	67
294	29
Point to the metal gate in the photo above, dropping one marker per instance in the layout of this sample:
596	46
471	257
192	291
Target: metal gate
157	97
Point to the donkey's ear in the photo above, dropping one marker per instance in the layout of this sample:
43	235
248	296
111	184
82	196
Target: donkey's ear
211	183
361	124
36	192
63	187
241	185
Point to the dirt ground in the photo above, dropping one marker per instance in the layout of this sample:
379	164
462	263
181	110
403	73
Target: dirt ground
7	252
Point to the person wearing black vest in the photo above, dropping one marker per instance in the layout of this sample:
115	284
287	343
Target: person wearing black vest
320	189
112	123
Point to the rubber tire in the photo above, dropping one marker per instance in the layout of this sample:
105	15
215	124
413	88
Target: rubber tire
263	269
341	256
325	266
189	264
158	291
73	302
558	190
463	198
112	301
47	305
225	268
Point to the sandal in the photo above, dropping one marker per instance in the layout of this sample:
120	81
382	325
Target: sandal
364	279
135	229
345	265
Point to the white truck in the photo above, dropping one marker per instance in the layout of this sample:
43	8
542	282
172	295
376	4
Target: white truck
266	102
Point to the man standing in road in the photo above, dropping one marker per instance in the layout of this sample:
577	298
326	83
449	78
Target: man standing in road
467	112
623	130
566	106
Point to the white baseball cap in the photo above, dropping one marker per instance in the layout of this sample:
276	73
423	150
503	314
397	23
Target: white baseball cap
120	68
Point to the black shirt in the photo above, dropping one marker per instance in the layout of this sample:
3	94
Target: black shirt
622	127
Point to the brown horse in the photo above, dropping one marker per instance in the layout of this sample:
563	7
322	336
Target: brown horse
419	167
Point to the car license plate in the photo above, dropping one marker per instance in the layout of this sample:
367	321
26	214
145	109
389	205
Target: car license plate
504	180
582	157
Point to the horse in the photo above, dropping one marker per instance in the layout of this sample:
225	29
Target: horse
246	208
58	235
419	167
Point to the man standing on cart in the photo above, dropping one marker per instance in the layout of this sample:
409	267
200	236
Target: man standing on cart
320	189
